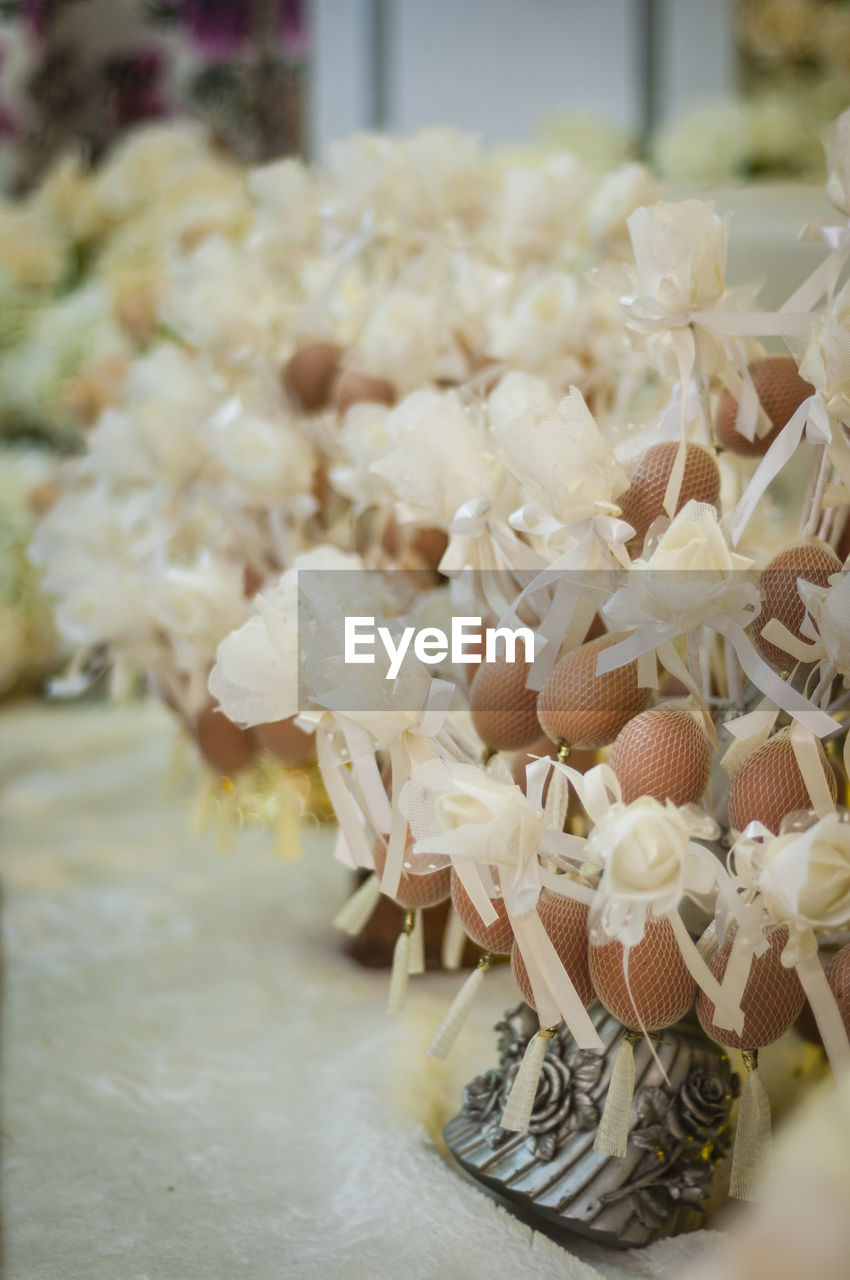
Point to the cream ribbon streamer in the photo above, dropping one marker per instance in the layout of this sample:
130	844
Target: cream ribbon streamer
811	420
622	912
653	635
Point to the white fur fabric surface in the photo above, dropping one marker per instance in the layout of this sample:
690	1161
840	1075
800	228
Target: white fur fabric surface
196	1082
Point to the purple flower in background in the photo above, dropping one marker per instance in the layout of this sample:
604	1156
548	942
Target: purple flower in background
219	26
222	26
135	85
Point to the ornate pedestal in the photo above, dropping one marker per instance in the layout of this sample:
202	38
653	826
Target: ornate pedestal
679	1133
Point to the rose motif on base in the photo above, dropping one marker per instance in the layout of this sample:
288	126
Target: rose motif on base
563	1104
685	1135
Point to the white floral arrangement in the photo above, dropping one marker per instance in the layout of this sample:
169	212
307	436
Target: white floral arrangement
416	387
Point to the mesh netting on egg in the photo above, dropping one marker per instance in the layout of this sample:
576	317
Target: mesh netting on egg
769	784
659	989
565	921
504	712
586	710
664	753
497	937
643	501
813	561
780	390
417	887
772	997
838	976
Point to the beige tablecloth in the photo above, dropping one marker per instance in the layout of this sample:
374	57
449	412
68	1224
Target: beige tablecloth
196	1082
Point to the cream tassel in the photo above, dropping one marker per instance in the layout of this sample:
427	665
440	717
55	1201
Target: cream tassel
612	1136
203	804
520	1103
416	961
453	942
228	816
401	965
290	806
354	915
447	1032
558	795
752	1132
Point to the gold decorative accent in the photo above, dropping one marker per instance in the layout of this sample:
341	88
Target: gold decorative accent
564	751
750	1059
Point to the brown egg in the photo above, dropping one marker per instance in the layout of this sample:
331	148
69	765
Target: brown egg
504	712
583	709
811	560
426	543
664	753
224	746
417	886
309	374
769	784
95	387
838	977
429	545
136	311
350	387
497	937
252	581
780	390
643	501
772	997
285	740
565	921
659	990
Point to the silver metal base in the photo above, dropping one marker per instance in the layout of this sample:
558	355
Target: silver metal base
679	1134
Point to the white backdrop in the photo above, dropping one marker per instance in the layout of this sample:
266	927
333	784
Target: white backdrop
499	67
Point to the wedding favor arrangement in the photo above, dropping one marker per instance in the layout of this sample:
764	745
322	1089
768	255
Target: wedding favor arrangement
483	483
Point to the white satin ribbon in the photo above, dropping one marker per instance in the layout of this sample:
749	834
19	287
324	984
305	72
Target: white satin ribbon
655	635
801	954
569	603
821	283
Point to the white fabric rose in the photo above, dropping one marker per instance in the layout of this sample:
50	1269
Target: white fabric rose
259	458
805	876
691	576
540	208
256	675
618	195
518	398
644	851
442	457
197	604
542	327
565	462
286	199
485	820
363	439
680	254
400	339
